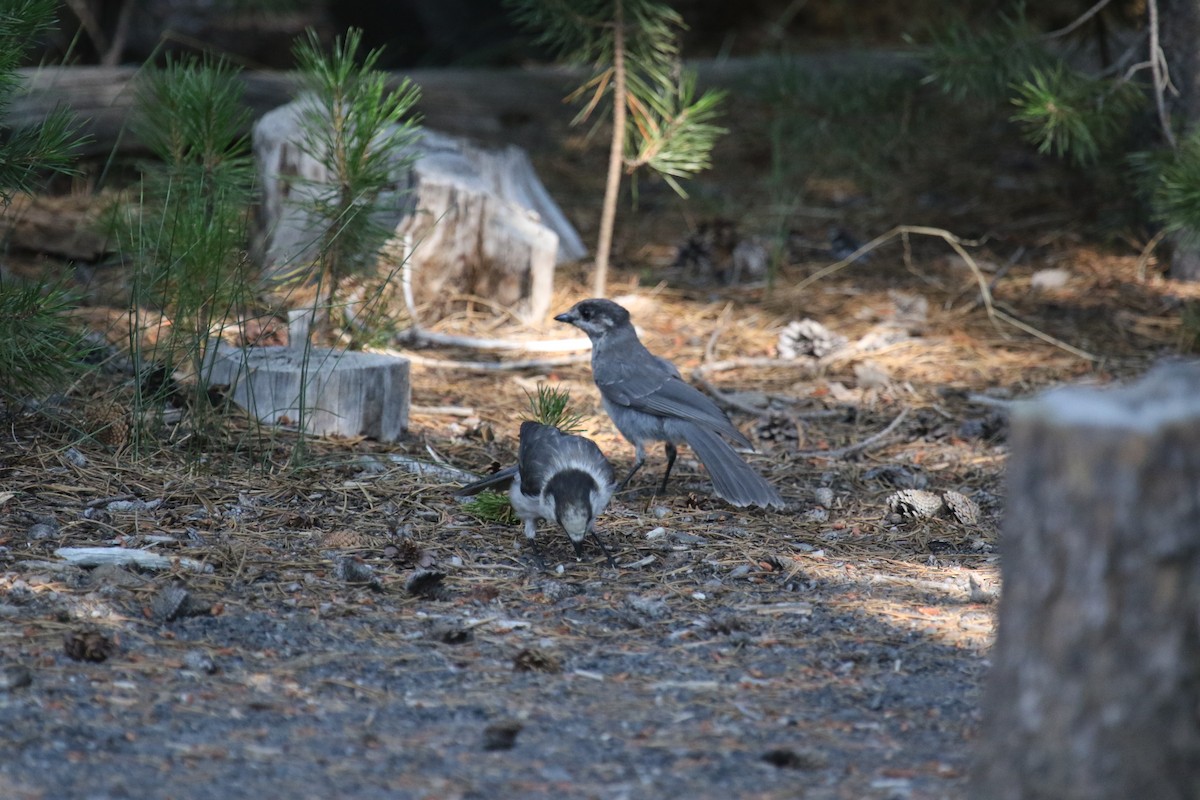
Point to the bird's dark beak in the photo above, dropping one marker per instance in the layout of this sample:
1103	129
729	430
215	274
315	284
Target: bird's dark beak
567	317
578	550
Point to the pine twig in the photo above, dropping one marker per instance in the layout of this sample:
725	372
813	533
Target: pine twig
859	446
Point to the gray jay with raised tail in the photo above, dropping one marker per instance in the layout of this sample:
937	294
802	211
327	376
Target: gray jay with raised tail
648	401
558	476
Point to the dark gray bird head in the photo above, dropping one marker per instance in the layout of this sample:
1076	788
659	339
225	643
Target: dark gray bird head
595	317
574	495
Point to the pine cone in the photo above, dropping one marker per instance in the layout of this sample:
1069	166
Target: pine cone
807	337
964	509
108	422
777	428
914	503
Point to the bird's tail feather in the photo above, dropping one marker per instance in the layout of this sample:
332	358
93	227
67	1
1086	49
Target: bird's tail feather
498	481
733	479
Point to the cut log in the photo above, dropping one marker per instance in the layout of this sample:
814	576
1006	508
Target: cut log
1095	689
345	393
524	103
479	220
126	557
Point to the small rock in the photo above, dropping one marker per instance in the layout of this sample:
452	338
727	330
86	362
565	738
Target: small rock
501	735
449	631
1049	279
535	659
199	661
555	591
788	758
88	646
824	496
167	604
657	533
899	476
652	607
351	569
682	537
14	676
42	530
76	458
871	375
816	515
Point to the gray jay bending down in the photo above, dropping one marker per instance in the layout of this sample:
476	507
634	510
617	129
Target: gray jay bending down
648	401
558	476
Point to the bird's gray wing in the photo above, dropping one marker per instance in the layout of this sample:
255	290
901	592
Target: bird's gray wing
645	384
545	451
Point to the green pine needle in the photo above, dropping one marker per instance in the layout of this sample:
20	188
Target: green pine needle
490	506
551	406
362	133
670	129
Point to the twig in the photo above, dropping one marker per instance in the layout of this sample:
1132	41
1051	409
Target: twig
870	441
1147	252
482	366
443	411
992	402
699	375
711	347
1004	316
1079	21
417	335
1158	70
985	294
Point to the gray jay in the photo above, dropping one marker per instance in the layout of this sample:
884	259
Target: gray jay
648	401
558	476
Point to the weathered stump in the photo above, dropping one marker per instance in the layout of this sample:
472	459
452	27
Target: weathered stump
1095	688
479	220
345	393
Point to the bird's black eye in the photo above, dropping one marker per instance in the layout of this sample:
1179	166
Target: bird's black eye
586	312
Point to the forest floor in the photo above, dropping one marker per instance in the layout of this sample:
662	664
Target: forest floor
343	628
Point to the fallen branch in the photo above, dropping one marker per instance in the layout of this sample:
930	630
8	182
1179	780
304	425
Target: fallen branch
700	376
427	468
870	441
482	366
985	294
126	556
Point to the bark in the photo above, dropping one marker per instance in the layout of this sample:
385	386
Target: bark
1179	30
1095	689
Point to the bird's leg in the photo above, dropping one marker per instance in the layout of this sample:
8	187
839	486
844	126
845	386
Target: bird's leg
671	453
604	549
531	535
537	555
641	459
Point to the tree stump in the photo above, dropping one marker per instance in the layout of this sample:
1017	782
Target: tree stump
479	220
345	393
1095	689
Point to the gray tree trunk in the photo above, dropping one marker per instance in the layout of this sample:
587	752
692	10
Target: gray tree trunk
1179	23
1095	689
